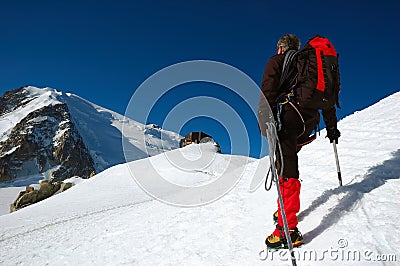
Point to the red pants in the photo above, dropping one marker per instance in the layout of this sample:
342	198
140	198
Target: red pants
290	190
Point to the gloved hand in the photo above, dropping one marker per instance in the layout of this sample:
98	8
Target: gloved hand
333	134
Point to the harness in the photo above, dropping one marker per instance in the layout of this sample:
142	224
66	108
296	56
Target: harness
289	99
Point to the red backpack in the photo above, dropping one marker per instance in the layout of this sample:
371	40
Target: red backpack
318	80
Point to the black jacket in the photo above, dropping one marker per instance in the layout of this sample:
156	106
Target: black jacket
272	92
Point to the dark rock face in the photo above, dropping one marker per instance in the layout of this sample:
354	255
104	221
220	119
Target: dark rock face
45	141
12	100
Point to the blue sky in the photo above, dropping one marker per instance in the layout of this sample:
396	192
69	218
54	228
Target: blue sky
104	50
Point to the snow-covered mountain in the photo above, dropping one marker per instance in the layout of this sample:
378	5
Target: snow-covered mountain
109	219
45	133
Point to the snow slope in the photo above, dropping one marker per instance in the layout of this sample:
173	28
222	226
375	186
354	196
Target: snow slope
109	220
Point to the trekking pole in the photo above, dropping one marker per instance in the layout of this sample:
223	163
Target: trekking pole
337	163
272	141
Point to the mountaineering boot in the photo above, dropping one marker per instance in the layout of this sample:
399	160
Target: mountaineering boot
278	240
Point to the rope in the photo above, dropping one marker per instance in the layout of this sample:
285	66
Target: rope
266	186
290	55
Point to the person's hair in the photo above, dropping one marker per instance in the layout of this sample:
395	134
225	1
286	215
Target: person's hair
289	42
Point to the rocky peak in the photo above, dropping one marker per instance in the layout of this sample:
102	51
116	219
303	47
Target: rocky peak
21	97
45	141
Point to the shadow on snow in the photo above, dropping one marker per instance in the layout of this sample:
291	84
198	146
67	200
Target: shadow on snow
375	177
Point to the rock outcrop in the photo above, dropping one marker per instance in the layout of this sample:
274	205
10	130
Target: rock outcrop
31	196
